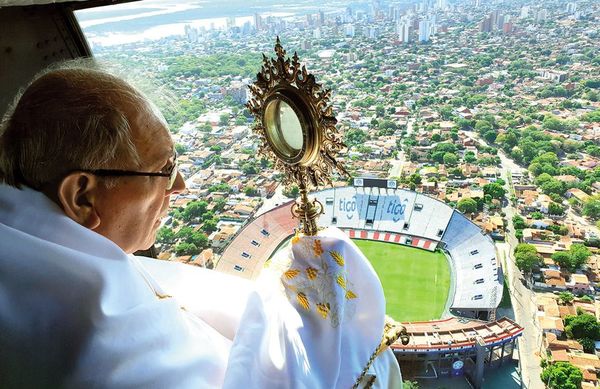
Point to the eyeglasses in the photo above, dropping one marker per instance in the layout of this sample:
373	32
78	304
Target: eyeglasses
171	173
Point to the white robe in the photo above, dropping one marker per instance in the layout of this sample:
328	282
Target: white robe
76	311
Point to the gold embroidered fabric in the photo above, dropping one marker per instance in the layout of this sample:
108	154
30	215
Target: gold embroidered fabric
315	278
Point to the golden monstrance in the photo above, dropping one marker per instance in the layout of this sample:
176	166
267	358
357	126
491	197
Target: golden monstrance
296	126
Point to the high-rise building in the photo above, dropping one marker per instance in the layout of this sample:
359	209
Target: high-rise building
349	30
309	20
541	15
507	28
403	30
485	25
432	25
524	11
424	31
477	3
571	8
500	19
372	32
191	33
317	34
258	22
321	18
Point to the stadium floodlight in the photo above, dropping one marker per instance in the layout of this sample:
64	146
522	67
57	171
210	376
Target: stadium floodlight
296	126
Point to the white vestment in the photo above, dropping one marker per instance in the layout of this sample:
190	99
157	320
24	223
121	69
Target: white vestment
76	311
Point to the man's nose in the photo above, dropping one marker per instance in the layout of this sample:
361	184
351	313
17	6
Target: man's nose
178	185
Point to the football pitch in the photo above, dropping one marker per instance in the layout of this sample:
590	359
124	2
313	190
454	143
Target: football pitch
415	282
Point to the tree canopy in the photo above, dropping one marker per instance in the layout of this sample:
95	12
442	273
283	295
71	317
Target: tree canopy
467	205
526	257
574	258
562	375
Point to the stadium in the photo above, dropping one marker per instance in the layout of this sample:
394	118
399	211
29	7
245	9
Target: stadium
440	273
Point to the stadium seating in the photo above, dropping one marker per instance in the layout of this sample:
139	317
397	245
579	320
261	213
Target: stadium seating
389	215
256	242
429	218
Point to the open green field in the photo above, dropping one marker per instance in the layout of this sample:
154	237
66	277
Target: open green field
415	282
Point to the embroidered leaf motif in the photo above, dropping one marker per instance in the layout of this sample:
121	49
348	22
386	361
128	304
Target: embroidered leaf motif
302	300
341	281
292	273
311	273
350	295
295	239
337	257
323	309
318	249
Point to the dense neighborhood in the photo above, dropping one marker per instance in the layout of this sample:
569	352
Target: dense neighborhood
493	108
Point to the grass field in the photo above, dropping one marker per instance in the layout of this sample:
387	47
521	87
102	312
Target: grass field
415	282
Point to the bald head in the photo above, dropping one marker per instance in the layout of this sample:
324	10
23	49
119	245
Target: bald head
72	118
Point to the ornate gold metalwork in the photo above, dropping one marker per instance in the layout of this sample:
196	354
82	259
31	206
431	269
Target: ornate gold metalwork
296	126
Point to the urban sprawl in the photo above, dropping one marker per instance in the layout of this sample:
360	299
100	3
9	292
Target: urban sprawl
492	107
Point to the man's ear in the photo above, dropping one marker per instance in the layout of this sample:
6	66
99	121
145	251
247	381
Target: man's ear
77	195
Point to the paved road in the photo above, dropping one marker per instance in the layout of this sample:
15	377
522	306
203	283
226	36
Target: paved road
523	299
398	163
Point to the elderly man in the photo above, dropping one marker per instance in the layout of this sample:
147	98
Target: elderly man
87	168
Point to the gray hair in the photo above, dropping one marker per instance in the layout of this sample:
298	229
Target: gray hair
71	117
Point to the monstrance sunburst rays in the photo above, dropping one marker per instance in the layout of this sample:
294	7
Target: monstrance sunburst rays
284	77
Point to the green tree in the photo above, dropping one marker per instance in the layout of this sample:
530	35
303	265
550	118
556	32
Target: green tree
591	208
470	157
467	205
495	190
415	178
582	326
526	257
553	186
536	215
186	249
519	222
209	226
355	137
220	204
563	259
224	119
490	136
250	191
198	239
222	187
580	254
194	209
184	233
180	149
589	345
165	235
450	159
555	209
553	123
562	375
542	179
566	297
249	168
